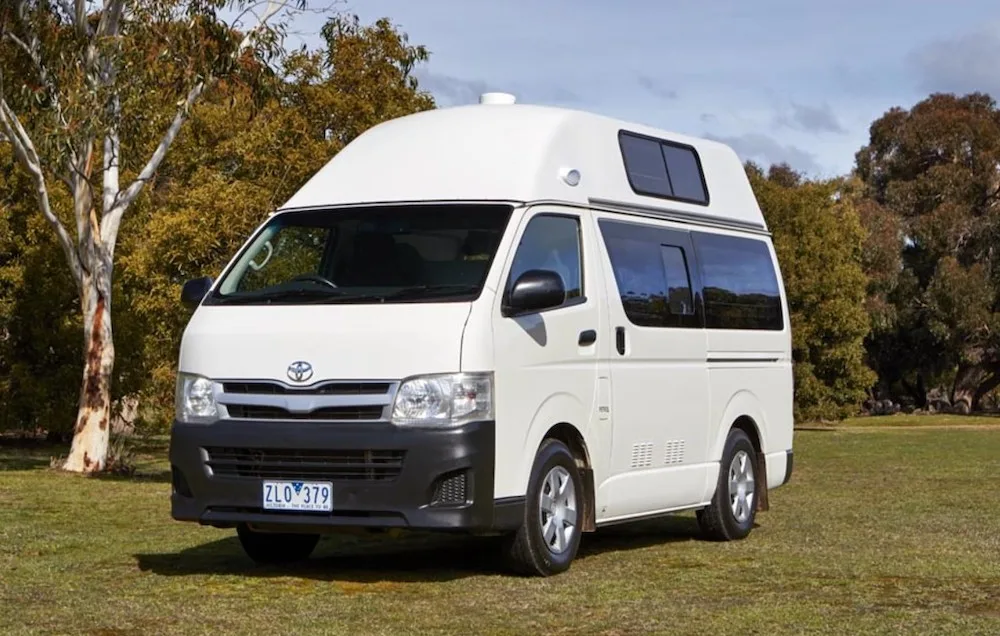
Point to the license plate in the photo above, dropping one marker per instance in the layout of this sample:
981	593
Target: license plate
308	496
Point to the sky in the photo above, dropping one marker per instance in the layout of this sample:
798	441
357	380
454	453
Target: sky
798	82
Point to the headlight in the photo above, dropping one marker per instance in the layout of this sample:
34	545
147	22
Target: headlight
195	400
444	400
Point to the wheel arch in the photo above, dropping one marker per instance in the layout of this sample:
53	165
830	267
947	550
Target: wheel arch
744	412
574	439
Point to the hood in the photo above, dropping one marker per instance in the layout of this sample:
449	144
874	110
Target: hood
347	341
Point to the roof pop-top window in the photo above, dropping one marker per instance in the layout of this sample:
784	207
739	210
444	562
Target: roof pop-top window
665	169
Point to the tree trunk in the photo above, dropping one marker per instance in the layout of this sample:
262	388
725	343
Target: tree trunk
988	385
967	381
89	450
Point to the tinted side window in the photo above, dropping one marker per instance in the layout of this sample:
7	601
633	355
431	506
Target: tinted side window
553	243
740	283
685	173
660	168
638	269
652	277
644	162
679	299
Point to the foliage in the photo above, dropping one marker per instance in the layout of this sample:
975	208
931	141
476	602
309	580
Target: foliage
936	168
819	240
239	156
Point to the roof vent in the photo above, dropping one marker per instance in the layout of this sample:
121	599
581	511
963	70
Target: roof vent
497	98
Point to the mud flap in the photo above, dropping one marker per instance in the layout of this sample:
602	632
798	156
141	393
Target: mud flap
589	514
762	501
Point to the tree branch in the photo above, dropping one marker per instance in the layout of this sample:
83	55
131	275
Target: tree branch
273	6
112	220
123	198
109	18
80	17
28	156
36	58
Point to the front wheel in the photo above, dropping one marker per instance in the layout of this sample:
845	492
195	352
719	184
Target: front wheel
549	536
275	547
733	510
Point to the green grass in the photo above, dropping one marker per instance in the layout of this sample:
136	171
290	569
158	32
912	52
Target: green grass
912	421
879	532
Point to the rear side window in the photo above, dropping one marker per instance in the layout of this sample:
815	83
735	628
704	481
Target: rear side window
740	283
661	168
652	276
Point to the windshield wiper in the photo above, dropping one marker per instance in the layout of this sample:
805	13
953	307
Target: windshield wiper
418	291
303	293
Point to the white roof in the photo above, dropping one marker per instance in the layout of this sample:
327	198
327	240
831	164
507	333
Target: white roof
514	152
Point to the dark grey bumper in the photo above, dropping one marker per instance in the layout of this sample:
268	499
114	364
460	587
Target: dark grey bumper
383	476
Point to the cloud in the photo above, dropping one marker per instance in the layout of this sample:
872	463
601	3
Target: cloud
451	91
766	150
963	64
813	119
656	88
708	118
455	91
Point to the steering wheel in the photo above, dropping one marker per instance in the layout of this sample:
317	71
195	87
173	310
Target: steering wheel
316	278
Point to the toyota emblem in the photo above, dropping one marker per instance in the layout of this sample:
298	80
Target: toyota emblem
300	371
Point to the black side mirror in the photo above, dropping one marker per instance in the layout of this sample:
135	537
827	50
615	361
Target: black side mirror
535	290
194	291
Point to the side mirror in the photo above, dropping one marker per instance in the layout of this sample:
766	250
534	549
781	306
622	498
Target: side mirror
534	290
194	291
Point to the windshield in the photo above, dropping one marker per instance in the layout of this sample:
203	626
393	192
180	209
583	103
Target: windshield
385	254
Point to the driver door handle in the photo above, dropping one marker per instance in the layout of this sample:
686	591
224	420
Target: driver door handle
587	337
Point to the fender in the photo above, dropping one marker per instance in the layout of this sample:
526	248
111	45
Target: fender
559	408
742	403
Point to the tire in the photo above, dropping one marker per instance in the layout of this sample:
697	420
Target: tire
529	551
267	548
719	521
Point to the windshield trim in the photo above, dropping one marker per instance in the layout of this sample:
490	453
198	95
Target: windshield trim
217	298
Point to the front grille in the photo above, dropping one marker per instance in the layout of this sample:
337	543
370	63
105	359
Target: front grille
329	388
287	463
255	412
450	490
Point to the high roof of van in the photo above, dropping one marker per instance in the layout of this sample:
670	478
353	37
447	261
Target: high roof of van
526	153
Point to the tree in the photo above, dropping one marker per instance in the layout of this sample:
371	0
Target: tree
105	91
936	167
819	238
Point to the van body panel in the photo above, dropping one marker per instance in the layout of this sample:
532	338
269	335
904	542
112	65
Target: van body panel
512	153
543	375
659	381
778	468
353	342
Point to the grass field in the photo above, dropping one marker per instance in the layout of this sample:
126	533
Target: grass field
880	531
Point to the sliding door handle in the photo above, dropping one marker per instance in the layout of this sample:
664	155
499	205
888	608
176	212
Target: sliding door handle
620	339
587	337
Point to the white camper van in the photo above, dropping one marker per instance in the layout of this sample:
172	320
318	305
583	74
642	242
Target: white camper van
498	319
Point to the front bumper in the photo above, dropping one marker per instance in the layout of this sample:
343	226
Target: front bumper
383	476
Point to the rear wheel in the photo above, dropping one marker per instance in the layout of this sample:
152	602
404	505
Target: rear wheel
549	536
276	547
733	510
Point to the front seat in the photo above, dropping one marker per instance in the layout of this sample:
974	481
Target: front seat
374	263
